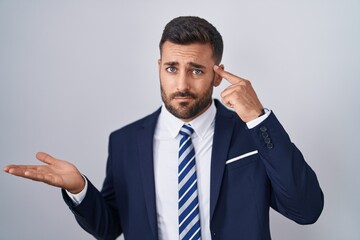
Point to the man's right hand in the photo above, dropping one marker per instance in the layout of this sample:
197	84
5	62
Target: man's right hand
56	172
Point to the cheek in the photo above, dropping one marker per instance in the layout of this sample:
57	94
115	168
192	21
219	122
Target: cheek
203	85
165	83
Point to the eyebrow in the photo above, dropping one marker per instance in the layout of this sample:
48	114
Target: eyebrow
171	63
195	65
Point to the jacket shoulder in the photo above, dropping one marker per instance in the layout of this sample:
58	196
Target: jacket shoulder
149	120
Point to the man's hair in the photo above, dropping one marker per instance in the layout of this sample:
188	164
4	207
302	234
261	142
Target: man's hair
187	30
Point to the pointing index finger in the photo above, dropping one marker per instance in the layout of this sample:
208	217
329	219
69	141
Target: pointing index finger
231	78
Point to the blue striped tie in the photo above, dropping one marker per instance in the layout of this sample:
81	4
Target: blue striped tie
189	216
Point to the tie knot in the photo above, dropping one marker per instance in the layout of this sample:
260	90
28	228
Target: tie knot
186	130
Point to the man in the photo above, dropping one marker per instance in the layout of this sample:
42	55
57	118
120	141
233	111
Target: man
193	169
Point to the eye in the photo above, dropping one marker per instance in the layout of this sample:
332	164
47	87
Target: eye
171	69
197	72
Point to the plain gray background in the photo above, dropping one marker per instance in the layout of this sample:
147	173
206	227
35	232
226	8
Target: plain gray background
73	71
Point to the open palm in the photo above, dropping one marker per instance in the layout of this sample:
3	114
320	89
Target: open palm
54	172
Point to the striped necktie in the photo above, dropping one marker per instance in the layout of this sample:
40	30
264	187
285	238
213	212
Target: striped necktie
189	215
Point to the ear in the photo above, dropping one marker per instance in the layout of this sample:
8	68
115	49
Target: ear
217	77
159	64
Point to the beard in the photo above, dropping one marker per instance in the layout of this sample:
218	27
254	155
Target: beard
187	110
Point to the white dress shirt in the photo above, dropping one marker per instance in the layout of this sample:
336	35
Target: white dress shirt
166	145
166	148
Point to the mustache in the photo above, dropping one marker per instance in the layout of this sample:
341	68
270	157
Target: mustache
183	94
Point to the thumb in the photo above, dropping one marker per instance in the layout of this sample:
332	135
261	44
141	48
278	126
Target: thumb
45	158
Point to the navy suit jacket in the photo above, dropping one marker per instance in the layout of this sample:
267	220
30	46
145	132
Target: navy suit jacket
241	192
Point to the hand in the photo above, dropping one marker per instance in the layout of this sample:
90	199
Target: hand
240	96
56	172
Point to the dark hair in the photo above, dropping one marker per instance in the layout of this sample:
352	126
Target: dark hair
187	30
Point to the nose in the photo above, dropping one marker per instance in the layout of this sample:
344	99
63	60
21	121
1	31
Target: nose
183	81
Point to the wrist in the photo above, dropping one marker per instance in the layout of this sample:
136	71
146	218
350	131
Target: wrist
79	187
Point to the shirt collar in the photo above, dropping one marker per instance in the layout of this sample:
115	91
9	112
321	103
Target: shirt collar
200	124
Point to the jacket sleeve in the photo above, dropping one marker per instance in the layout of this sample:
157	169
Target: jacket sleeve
97	213
295	191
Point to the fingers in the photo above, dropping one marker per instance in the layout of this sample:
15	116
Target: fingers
229	97
18	168
21	170
6	169
36	173
231	78
39	176
31	171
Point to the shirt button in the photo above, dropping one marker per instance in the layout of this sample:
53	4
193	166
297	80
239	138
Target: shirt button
263	129
270	145
267	140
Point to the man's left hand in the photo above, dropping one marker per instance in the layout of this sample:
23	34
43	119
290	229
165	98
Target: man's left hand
240	96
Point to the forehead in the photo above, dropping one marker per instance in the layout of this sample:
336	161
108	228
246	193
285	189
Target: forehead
194	52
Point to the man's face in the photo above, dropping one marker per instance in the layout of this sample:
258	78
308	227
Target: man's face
187	78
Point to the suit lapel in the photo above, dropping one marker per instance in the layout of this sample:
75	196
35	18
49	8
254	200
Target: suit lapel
222	137
145	150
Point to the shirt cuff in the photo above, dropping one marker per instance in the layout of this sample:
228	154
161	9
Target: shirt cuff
257	121
79	197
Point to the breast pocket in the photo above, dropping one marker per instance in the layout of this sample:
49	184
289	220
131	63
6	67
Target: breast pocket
242	160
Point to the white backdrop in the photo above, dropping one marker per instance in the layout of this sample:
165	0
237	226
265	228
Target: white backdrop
73	71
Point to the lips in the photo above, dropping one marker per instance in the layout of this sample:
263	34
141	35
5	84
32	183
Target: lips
183	96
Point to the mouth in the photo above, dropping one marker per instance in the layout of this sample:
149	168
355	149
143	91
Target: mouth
183	101
183	96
